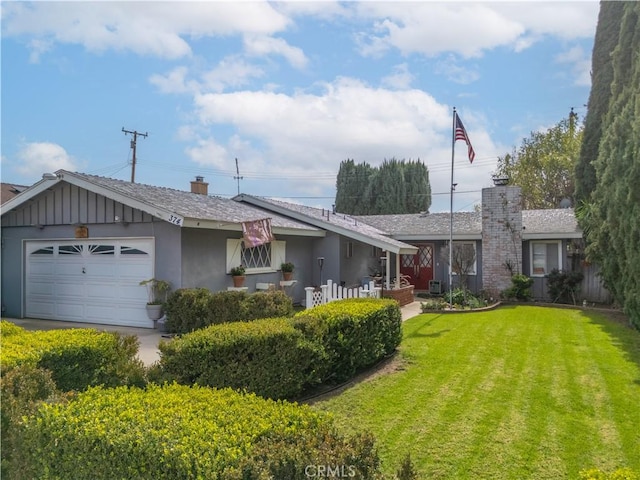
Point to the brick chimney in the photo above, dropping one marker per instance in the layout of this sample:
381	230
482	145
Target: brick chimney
501	236
199	186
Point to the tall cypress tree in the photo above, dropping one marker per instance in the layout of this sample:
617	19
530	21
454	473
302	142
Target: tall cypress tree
394	187
606	39
614	224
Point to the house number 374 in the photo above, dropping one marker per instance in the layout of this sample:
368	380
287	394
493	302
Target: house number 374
175	220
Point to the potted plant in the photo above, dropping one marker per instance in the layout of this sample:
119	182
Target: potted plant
157	291
287	270
238	275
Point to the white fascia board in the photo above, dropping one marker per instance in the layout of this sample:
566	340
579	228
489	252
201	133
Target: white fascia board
162	213
550	236
397	249
237	227
433	238
29	193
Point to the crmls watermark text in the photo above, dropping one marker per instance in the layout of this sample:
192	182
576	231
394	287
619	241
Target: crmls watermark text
330	471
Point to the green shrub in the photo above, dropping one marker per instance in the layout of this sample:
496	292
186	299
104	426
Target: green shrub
520	288
563	286
434	304
179	432
7	329
357	333
267	304
190	309
22	388
77	358
187	309
268	356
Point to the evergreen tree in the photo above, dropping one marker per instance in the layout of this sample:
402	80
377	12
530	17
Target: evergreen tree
394	187
613	225
607	32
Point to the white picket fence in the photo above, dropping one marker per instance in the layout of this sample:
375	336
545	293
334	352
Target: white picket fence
332	291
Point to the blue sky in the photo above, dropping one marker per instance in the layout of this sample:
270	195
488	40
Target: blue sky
290	89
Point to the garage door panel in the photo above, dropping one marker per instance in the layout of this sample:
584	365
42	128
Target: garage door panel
43	309
68	268
41	288
108	291
133	293
65	290
70	311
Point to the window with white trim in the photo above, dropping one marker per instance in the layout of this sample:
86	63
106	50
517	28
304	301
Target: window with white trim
261	259
545	256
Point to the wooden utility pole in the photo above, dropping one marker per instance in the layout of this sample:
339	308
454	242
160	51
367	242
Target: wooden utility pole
133	147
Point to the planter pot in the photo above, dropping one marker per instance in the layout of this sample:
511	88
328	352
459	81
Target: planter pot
286	276
238	281
154	312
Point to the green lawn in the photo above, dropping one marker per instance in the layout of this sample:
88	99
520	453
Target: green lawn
516	393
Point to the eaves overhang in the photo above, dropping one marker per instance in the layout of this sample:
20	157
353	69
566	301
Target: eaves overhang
385	243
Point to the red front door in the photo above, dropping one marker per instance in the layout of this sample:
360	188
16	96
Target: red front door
419	266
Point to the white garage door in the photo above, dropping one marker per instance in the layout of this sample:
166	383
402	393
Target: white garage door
95	281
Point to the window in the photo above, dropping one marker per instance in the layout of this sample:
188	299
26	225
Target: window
260	259
70	250
102	250
349	250
43	251
545	256
464	258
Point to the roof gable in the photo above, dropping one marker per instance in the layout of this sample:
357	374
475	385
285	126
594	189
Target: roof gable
174	206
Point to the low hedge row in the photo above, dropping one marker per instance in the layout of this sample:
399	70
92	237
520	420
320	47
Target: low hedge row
189	309
282	357
180	432
354	333
77	358
266	356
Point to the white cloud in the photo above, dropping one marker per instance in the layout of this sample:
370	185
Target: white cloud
580	64
400	79
230	72
172	82
207	152
43	157
469	29
455	72
311	134
157	29
264	45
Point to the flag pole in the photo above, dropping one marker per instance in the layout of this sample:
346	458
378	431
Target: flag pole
453	186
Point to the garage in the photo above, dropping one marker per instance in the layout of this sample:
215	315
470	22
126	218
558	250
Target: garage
94	281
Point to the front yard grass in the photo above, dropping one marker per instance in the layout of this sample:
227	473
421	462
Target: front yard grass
518	392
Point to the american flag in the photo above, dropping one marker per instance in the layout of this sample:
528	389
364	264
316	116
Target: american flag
461	134
257	232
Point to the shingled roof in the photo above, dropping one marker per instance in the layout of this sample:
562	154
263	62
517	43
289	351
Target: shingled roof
537	224
346	225
10	190
191	208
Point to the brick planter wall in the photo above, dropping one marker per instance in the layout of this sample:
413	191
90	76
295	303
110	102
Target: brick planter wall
404	295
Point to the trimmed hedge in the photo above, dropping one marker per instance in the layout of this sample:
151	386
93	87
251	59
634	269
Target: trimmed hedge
179	432
77	358
268	356
355	333
190	309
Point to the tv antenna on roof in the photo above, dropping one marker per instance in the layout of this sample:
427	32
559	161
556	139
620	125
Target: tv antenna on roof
238	177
